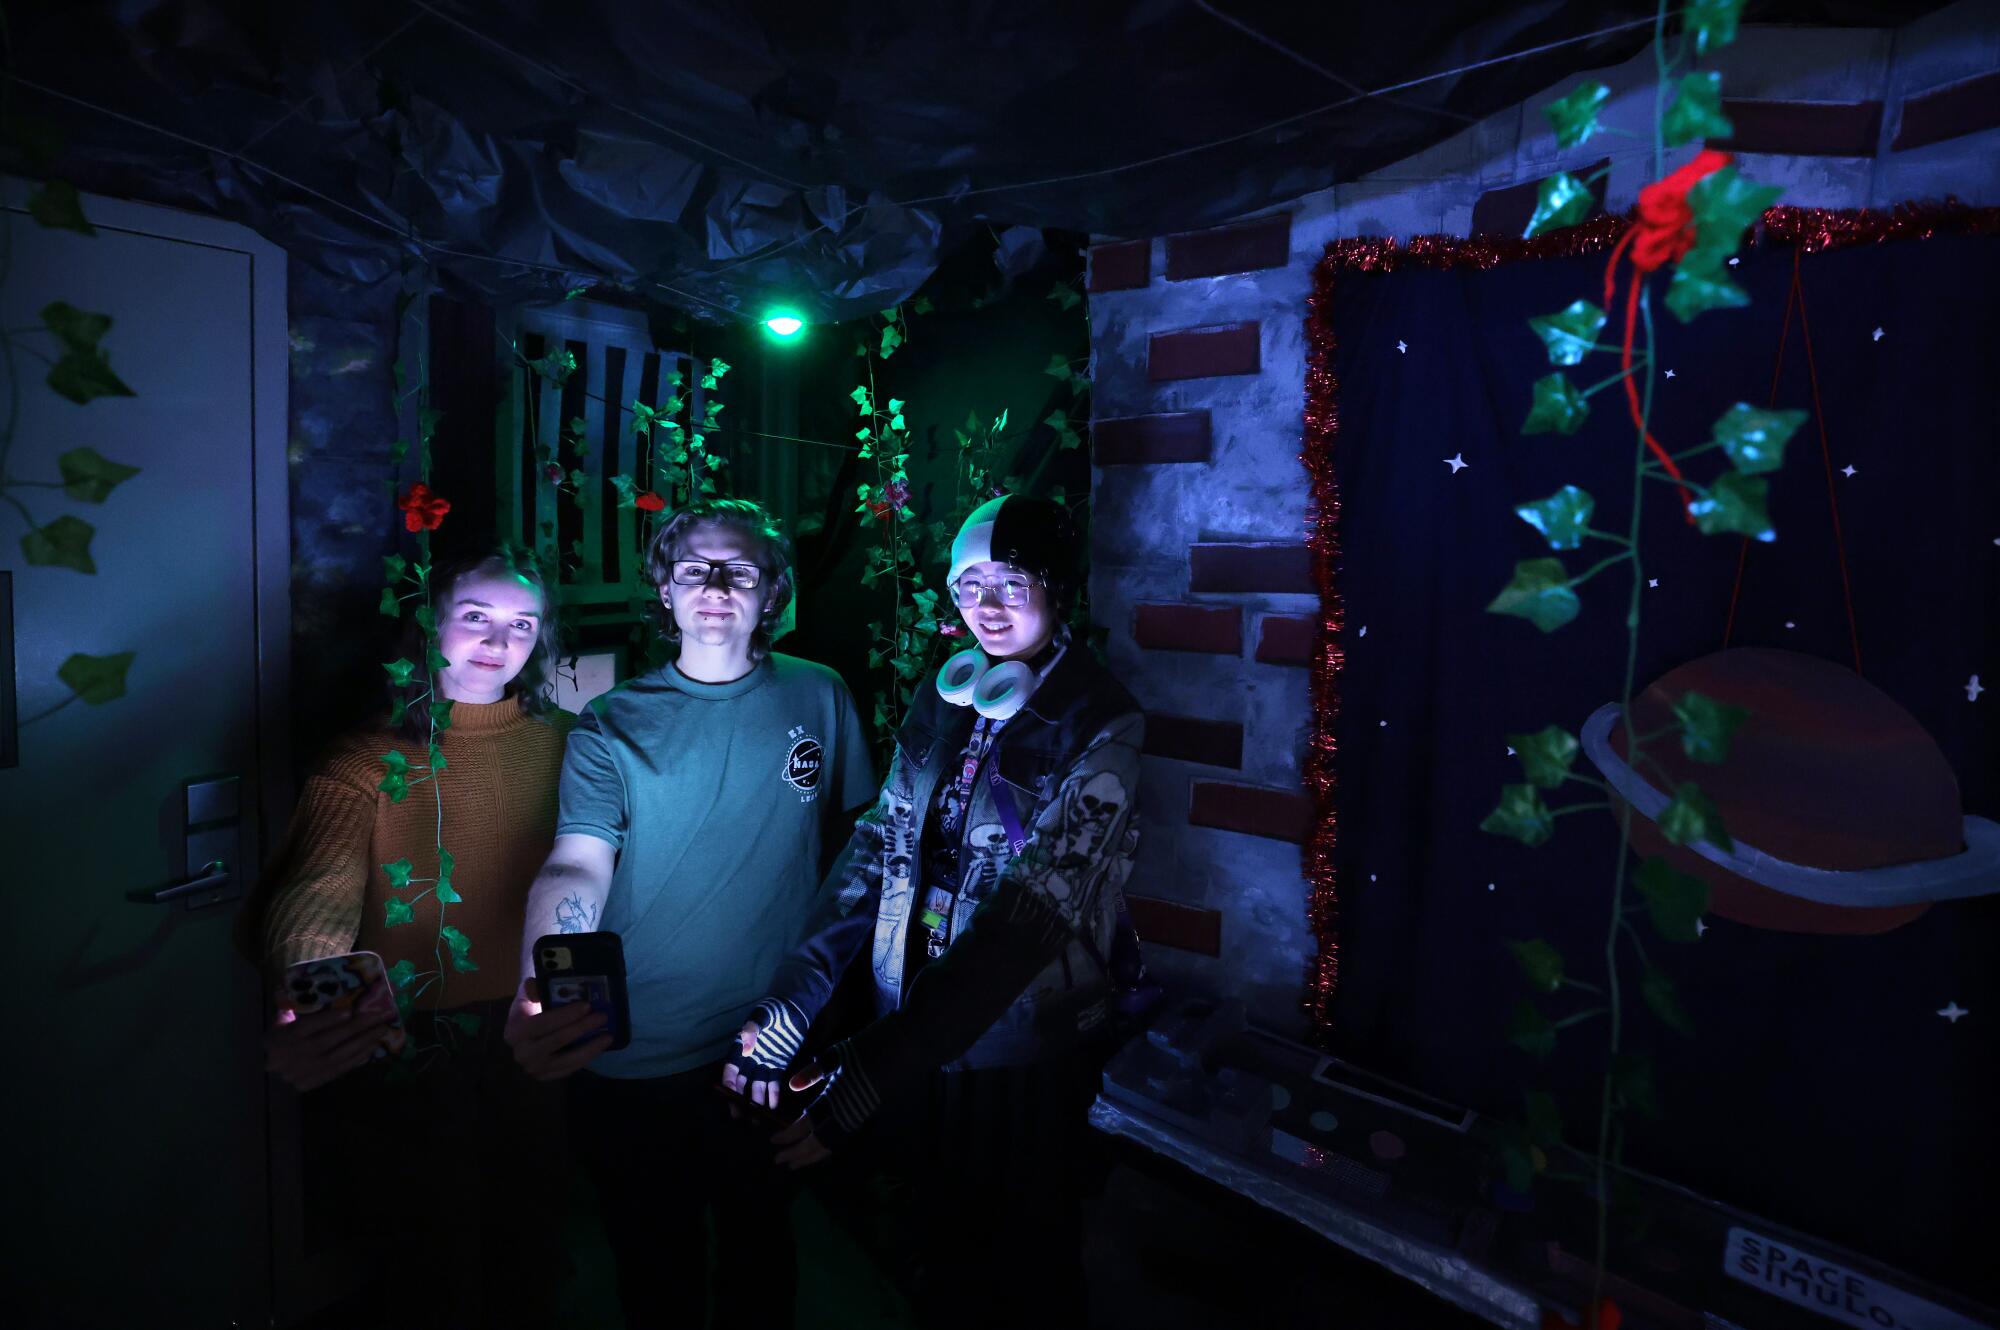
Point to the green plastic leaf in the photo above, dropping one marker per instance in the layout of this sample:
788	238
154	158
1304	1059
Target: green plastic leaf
1713	23
1562	200
1546	755
427	422
1530	1031
63	543
1724	206
1692	817
1521	815
398	707
1058	367
1658	991
438	662
1569	333
466	1021
399	671
437	759
59	207
96	679
1697	110
77	329
1545	1126
1755	438
1674	900
1562	518
459	944
578	479
426	617
1557	407
83	376
88	477
1541	964
1539	593
393	568
399	874
1706	725
718	367
446	893
441	714
401	974
393	785
399	450
1575	116
1735	502
396	910
395	762
1701	283
1632	1083
389	605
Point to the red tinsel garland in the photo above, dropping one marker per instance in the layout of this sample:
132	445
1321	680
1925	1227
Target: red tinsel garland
1812	230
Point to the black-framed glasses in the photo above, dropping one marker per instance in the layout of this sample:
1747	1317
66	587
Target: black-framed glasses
700	572
1009	591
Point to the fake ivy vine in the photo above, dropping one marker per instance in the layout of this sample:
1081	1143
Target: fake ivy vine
1690	221
70	342
423	511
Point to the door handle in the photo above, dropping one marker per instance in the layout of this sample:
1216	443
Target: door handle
211	822
214	880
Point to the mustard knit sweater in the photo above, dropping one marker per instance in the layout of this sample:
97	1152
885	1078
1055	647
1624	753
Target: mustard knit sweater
330	892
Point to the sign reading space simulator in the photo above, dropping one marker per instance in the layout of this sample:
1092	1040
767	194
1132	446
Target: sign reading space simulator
1813	1282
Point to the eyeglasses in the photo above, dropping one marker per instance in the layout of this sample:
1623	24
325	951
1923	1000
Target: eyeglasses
1009	591
699	572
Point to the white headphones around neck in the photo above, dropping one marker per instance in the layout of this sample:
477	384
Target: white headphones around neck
996	692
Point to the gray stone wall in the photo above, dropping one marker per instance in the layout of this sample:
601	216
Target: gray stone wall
1199	498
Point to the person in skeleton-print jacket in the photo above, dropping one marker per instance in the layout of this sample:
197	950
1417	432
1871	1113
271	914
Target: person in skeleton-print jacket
989	882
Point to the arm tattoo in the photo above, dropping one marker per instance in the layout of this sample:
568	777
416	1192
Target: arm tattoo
575	915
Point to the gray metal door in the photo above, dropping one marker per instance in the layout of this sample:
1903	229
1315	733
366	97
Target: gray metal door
136	1104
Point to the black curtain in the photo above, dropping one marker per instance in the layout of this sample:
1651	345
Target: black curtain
1822	1089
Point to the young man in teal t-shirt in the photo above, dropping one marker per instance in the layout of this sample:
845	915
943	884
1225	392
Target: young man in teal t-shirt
694	799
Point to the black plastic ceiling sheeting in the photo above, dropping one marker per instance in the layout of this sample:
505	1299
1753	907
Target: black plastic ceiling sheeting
726	157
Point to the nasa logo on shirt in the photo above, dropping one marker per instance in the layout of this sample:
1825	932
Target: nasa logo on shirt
803	762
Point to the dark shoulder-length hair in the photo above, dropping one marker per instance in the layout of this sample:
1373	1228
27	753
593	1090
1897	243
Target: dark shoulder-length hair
533	688
769	550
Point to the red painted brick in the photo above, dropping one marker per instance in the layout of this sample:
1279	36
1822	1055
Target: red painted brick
1802	129
1284	639
1251	810
1172	924
1218	743
1251	566
1215	629
1264	243
1944	113
1174	436
1506	211
1120	267
1202	353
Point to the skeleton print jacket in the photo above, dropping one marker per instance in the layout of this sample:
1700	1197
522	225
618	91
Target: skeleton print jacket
1022	979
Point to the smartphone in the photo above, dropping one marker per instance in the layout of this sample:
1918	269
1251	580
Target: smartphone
586	967
357	981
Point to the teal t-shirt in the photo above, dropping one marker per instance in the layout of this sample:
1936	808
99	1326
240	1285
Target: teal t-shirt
717	798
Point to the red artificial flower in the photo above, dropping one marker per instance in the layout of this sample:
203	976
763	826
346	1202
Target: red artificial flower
950	628
423	510
892	500
553	473
1664	230
648	501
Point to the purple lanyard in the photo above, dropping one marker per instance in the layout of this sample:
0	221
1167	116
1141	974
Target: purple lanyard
1003	804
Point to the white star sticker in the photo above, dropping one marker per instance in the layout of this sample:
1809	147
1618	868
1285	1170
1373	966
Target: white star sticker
1364	630
1652	581
1973	689
1733	260
1700	927
1670	374
1457	463
1383	723
1790	624
1951	1011
1489	886
1510	750
1371	877
1878	335
1402	347
1848	471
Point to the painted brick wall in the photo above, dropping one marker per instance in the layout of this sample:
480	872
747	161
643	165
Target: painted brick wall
1199	500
